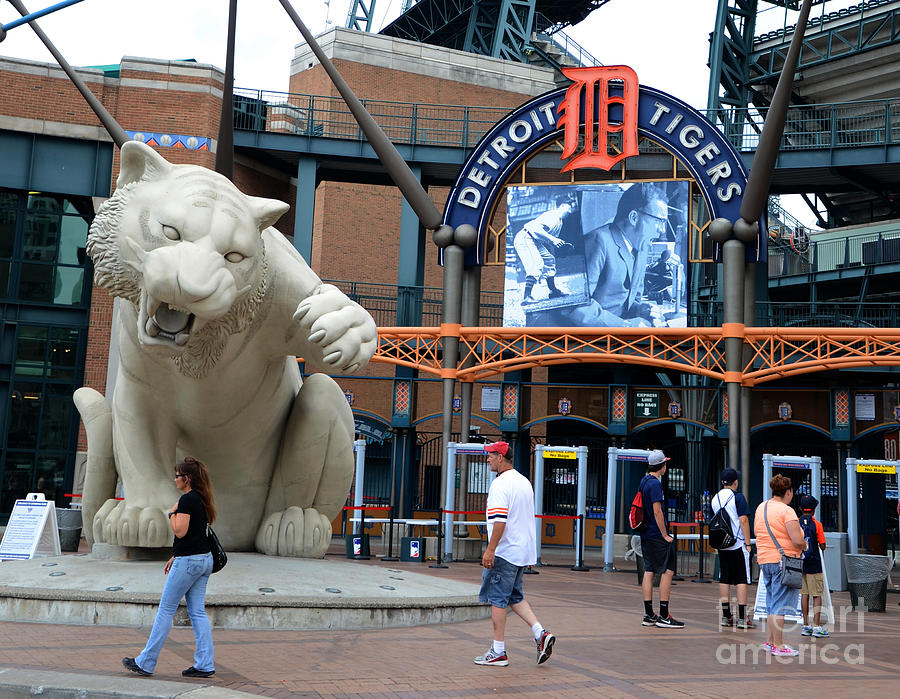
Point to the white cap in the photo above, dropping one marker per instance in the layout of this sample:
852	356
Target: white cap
656	457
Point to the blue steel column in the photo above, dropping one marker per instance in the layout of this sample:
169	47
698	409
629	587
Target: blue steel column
360	15
305	207
410	276
410	263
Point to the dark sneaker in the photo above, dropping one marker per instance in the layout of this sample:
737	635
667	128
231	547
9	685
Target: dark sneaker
544	646
669	623
492	658
194	672
649	620
745	624
130	664
726	621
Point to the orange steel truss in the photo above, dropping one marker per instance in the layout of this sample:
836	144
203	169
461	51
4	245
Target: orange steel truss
774	352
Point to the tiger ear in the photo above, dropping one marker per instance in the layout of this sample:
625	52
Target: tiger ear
267	211
141	162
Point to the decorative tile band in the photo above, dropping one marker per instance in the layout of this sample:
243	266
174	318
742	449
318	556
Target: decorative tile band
169	140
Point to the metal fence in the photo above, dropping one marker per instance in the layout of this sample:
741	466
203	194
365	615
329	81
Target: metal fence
329	117
822	314
383	301
815	126
840	125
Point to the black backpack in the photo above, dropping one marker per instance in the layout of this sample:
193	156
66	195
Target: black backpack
721	535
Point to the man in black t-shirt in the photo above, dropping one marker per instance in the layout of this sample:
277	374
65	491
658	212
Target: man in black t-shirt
657	546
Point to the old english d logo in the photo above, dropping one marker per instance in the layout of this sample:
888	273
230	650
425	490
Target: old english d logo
592	86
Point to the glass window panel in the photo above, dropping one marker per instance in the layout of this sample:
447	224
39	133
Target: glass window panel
44	203
49	477
24	415
36	283
56	416
63	350
7	231
17	477
41	237
73	232
31	353
68	286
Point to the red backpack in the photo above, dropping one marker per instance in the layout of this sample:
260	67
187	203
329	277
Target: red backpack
637	516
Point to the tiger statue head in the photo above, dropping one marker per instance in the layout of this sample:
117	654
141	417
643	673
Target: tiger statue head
183	245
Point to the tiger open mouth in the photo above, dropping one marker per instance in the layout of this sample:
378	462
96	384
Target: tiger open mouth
164	324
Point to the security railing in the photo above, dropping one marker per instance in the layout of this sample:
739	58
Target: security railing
847	314
383	301
817	126
839	253
808	127
857	11
328	117
546	28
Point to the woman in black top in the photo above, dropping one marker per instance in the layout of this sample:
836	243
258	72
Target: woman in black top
188	572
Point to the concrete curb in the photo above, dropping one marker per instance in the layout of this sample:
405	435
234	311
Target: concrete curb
15	683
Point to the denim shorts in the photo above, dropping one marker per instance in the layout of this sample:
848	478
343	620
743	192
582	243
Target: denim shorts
780	600
501	585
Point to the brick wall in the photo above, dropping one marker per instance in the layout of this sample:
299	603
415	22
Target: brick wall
356	226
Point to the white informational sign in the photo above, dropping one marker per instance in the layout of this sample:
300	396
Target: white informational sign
865	406
479	477
32	530
759	607
490	399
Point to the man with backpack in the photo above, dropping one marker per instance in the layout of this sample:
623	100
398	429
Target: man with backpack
657	546
734	559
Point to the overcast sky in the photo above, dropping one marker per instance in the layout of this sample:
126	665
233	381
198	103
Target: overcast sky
665	41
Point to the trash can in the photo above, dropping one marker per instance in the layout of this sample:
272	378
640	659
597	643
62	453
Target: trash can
69	525
357	545
836	545
412	548
867	580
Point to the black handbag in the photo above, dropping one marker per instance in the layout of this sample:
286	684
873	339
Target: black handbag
215	548
791	568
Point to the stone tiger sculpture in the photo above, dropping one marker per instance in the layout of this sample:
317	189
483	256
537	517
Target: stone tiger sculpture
217	305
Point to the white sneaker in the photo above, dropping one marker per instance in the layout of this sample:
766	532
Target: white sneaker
786	652
806	631
492	658
820	632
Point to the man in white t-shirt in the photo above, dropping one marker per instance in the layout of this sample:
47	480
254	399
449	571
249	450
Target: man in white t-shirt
511	547
734	562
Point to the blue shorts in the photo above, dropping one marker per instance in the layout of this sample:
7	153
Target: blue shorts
780	600
501	585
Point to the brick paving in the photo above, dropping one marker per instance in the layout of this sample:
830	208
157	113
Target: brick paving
602	650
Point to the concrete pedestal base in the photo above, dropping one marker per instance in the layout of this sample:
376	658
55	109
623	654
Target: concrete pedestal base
252	592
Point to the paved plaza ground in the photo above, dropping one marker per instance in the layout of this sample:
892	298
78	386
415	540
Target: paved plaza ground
602	651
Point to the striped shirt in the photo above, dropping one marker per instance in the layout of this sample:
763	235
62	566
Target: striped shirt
511	501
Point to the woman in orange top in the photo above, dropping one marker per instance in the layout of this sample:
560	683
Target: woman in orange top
786	528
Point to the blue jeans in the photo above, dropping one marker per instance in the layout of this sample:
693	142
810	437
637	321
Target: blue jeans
780	600
501	585
187	578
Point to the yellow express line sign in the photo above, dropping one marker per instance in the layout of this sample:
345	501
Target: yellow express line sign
558	454
875	468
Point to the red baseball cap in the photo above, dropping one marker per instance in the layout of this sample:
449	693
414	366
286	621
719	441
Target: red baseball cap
501	448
